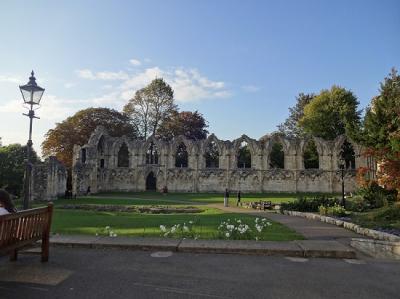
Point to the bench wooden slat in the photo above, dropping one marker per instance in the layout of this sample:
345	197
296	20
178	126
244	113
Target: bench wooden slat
26	227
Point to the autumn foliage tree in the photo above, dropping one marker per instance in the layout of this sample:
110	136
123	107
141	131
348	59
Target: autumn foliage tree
77	129
381	132
192	125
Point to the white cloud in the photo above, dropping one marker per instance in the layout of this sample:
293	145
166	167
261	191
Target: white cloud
88	74
250	88
11	79
69	85
135	62
188	84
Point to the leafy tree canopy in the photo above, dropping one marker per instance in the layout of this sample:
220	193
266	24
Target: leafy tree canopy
150	107
77	129
12	167
192	125
331	113
382	118
290	127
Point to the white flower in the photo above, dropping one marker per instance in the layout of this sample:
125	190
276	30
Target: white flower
190	222
269	223
256	238
264	219
256	220
227	234
163	228
107	227
166	234
97	234
185	228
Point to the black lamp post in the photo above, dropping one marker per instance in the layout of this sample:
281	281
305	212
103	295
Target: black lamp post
342	175
31	94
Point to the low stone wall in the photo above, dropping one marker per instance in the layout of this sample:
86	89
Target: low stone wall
378	248
377	235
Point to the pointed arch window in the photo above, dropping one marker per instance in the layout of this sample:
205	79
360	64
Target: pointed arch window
123	156
244	156
181	157
277	156
212	155
310	156
152	154
100	146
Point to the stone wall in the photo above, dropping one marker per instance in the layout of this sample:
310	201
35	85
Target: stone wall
49	180
95	164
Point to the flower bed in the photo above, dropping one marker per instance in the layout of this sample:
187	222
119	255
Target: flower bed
134	209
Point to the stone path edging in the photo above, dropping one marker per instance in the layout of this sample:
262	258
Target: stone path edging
377	235
300	248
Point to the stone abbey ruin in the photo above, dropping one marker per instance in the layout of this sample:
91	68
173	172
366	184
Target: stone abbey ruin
271	164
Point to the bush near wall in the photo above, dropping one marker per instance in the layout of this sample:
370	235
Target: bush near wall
304	204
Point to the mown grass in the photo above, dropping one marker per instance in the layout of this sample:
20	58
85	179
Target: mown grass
154	198
385	217
148	225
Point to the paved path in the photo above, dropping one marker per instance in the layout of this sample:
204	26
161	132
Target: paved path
310	229
79	273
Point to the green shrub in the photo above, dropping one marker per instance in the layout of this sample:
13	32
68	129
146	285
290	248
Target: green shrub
335	210
357	204
303	204
377	196
388	214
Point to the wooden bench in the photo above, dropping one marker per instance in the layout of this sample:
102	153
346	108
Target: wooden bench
25	228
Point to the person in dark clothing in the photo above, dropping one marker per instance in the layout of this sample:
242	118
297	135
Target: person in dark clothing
239	196
6	205
226	197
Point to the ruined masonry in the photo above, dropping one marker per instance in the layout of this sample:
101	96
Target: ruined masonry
49	179
108	163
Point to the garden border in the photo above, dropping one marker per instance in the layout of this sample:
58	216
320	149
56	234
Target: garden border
377	235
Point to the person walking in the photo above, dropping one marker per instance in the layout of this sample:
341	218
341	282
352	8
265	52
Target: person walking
239	196
226	197
6	205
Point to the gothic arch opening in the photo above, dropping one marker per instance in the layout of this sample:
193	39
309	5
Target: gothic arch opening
100	146
123	156
244	156
151	182
212	155
347	155
152	154
277	156
181	156
310	156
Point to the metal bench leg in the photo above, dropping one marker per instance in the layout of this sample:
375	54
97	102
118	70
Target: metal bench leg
45	248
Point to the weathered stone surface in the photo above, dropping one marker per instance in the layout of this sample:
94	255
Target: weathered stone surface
49	180
378	248
95	164
334	249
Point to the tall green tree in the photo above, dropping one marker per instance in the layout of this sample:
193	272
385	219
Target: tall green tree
291	127
12	167
381	132
331	113
192	125
150	106
77	129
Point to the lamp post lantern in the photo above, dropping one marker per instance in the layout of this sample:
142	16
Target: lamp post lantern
31	94
342	175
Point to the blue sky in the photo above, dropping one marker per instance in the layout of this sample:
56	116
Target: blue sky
240	63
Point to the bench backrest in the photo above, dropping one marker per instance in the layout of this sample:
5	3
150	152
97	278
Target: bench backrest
22	228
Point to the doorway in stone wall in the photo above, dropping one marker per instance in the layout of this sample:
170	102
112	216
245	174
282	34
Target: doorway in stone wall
151	182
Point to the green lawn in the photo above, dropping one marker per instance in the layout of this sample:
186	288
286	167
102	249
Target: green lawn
135	224
155	198
386	217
